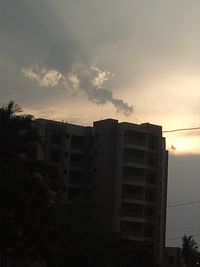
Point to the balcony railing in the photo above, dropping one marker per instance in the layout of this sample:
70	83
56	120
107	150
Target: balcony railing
133	196
134	141
137	234
134	160
133	178
130	213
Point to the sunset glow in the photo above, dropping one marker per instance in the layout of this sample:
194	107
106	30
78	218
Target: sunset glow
183	144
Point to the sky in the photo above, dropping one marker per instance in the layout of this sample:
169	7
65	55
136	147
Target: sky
133	60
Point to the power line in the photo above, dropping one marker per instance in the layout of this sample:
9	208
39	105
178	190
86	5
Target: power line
182	129
180	237
165	131
184	204
182	230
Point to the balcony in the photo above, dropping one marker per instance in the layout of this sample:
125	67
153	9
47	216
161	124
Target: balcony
77	143
133	196
76	161
139	181
133	229
132	219
134	234
74	185
130	210
134	156
134	160
150	219
134	138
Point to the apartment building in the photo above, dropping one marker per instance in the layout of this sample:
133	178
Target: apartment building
121	167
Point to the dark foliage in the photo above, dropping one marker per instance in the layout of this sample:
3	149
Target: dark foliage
35	223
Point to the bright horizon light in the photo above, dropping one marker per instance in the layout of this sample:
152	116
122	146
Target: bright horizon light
183	144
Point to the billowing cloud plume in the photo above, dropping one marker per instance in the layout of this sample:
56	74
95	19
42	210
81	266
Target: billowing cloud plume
89	80
44	77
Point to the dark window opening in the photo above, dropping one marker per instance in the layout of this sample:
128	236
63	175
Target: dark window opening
55	154
77	142
153	142
56	138
151	178
76	160
64	189
134	156
150	213
133	171
131	210
152	160
150	196
149	231
134	138
75	177
74	193
171	259
133	192
131	228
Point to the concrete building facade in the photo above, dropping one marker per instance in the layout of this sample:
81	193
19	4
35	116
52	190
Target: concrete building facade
121	167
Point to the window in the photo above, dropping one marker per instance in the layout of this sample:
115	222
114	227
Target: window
135	138
75	177
132	191
56	138
74	193
150	196
171	259
131	210
55	154
133	171
133	155
64	189
89	194
148	231
131	228
153	142
150	213
76	160
152	160
151	178
77	142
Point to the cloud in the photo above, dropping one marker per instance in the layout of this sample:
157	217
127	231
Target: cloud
47	78
89	80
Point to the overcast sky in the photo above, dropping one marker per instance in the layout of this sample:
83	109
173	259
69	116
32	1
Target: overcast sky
134	60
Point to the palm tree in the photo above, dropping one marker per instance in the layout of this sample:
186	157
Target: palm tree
189	250
18	134
25	184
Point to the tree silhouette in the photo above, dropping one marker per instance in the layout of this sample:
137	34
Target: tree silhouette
18	134
189	250
34	223
25	186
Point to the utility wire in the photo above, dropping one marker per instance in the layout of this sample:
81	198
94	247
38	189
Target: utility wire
180	237
182	129
165	131
184	204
